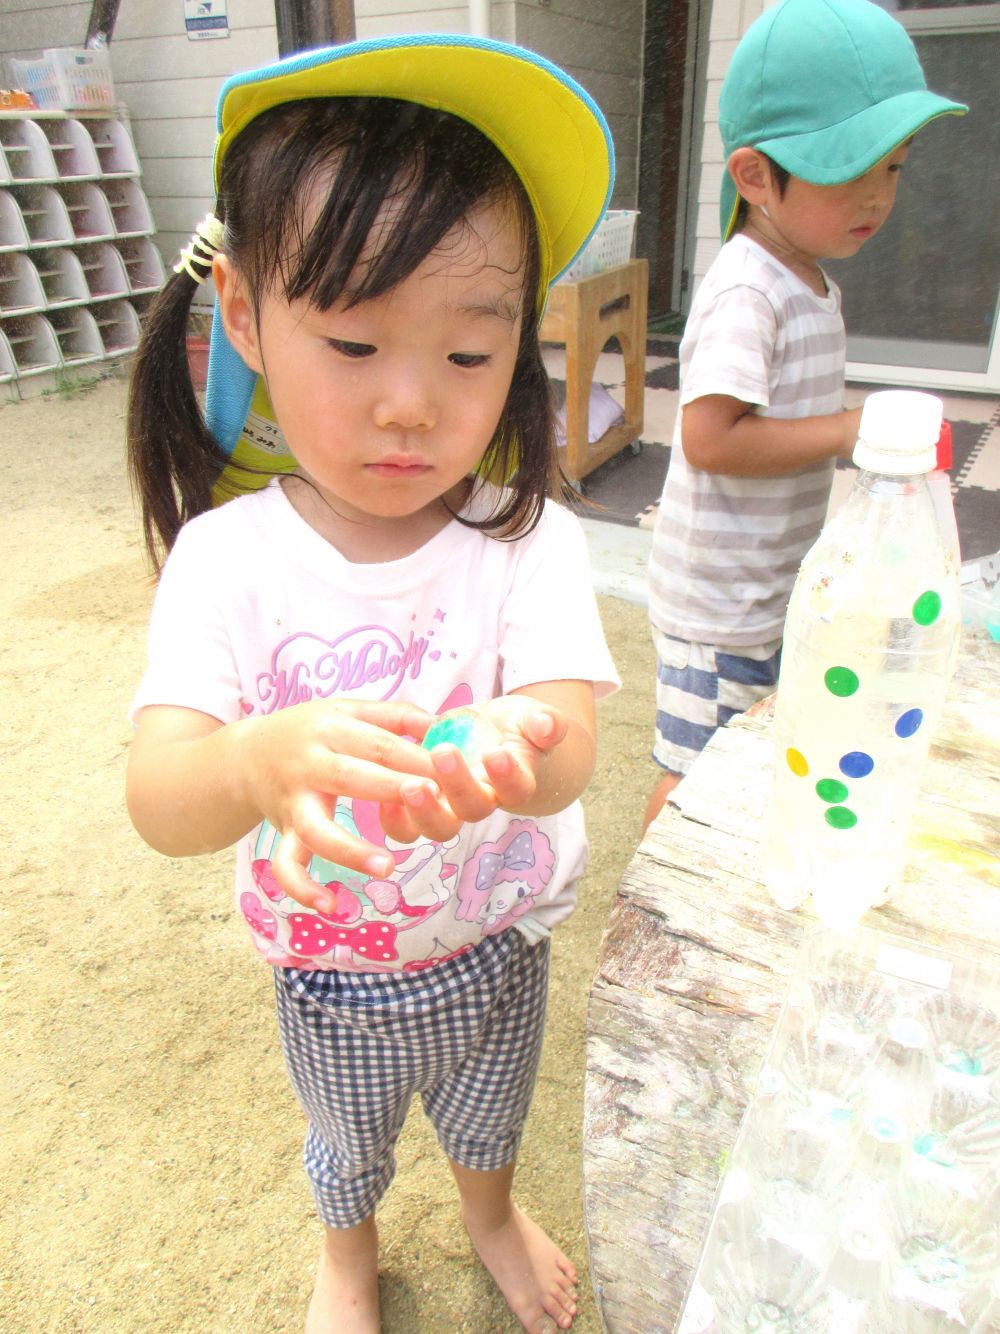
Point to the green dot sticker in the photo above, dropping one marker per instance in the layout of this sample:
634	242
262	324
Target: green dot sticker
797	762
841	681
927	607
840	817
831	790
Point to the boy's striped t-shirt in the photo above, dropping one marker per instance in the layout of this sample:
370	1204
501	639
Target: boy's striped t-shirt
726	549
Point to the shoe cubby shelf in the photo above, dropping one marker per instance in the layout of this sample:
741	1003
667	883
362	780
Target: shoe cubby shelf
78	265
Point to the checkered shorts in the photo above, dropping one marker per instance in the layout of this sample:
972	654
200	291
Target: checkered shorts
465	1034
699	687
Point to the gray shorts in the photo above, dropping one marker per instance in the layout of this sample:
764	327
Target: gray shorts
465	1034
699	687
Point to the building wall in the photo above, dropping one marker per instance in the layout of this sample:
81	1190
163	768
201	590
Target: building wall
169	84
729	21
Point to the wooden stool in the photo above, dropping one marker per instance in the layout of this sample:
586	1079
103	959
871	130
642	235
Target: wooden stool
584	315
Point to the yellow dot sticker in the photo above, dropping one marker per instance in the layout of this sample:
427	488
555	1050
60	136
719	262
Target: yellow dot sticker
796	761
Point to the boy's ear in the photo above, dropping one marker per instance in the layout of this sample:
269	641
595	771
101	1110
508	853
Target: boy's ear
751	174
236	312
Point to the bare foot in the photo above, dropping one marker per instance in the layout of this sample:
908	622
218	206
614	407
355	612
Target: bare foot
345	1297
537	1281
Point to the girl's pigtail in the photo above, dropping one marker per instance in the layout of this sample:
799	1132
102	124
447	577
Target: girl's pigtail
173	459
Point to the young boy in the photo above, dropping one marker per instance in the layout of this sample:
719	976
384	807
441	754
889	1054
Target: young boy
817	113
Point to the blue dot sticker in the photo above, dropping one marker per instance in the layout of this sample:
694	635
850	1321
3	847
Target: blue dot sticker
856	764
907	723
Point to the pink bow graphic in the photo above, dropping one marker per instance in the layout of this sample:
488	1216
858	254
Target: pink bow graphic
313	935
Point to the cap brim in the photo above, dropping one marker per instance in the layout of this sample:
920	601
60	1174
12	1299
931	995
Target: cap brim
842	152
544	123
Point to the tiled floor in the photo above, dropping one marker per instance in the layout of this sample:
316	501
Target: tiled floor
627	487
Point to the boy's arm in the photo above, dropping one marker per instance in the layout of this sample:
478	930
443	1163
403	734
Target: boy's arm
725	435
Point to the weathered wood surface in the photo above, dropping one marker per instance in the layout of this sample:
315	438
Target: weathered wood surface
693	969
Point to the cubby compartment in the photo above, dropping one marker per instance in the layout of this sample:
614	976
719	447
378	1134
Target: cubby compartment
62	276
44	213
13	233
90	214
21	289
7	368
114	147
118	323
129	208
143	264
78	265
104	271
77	335
26	150
72	148
32	343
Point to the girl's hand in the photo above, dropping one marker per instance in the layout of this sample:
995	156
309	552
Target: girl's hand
299	760
196	785
530	730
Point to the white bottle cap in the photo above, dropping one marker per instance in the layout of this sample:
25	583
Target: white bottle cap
899	432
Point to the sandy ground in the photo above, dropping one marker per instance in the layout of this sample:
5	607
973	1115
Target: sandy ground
150	1142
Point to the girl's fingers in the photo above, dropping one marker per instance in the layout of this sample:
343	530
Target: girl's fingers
513	782
430	813
469	798
368	750
395	820
313	833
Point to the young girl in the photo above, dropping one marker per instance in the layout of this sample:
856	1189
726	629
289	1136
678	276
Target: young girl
389	217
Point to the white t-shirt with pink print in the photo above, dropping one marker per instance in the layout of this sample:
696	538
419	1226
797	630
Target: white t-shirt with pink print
255	611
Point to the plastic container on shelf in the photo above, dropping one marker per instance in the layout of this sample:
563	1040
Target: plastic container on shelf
610	245
981	597
72	148
869	649
21	289
61	276
26	150
68	78
44	212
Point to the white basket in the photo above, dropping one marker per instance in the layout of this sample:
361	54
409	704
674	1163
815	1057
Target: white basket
68	77
610	245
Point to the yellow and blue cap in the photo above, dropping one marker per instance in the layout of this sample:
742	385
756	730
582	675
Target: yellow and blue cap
546	125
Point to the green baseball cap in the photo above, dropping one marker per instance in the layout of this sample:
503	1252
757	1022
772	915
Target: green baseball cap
826	88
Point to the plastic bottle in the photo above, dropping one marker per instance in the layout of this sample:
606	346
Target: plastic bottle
869	649
939	484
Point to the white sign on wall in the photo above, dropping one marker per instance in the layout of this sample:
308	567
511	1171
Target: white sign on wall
206	19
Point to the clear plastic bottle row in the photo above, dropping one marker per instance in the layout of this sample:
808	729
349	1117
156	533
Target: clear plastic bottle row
863	1193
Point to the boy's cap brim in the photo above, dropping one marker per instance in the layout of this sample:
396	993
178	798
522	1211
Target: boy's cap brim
843	152
544	123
